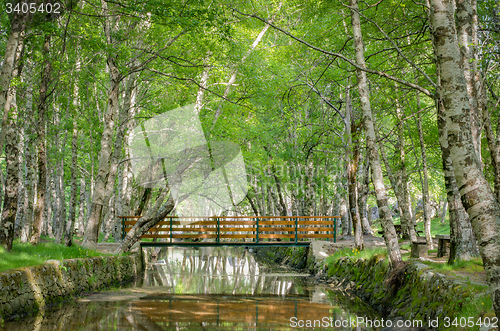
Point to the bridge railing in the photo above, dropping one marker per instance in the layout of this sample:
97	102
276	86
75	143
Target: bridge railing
257	229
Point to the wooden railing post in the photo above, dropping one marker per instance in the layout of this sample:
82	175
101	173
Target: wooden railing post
123	228
335	229
170	229
218	230
296	228
257	235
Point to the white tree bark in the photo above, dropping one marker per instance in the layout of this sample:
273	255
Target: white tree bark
42	156
477	196
378	181
99	193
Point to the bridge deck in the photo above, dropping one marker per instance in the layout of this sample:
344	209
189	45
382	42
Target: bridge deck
257	231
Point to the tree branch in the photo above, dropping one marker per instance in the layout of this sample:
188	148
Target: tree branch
351	62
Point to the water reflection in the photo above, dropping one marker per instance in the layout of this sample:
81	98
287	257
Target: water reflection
219	271
208	289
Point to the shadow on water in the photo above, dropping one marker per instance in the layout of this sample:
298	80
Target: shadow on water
206	289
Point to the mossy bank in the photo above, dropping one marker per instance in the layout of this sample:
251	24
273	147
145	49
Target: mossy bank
28	289
413	291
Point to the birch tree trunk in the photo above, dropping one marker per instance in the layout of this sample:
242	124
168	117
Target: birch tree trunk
462	240
344	216
476	194
390	237
363	198
10	202
30	162
81	206
12	47
352	155
42	156
156	214
425	186
464	35
20	229
397	187
407	225
99	193
11	188
124	117
70	225
60	188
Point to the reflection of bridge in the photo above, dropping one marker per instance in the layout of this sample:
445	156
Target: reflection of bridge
237	230
239	312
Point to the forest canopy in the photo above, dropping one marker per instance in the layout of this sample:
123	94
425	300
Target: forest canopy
375	111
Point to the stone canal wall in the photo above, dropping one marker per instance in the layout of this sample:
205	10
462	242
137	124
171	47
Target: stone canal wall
24	290
413	292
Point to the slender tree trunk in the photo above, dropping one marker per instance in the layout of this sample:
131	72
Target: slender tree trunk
81	207
123	119
144	200
252	204
127	180
425	184
47	211
390	237
344	216
281	202
10	202
14	41
11	189
352	153
476	194
30	163
42	156
407	225
445	208
363	198
99	196
70	225
397	187
20	230
60	189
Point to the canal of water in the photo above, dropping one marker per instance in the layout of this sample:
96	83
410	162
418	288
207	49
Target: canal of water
207	289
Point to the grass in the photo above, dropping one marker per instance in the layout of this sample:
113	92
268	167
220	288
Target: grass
354	253
25	254
474	265
437	228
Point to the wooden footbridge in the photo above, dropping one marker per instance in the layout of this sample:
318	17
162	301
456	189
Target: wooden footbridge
237	230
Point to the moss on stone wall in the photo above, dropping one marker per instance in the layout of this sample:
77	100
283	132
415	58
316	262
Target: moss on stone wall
24	290
420	292
295	257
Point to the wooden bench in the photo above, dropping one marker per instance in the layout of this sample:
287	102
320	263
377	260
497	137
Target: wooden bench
443	245
418	248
